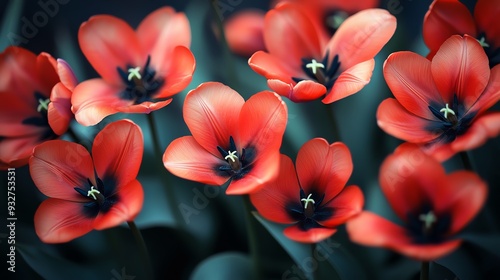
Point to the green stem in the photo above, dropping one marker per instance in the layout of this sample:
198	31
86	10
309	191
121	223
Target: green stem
252	237
171	197
334	127
464	155
315	271
143	250
424	271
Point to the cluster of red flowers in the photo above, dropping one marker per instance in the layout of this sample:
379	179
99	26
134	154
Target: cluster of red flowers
305	52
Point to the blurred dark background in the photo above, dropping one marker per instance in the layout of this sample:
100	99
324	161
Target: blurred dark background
212	243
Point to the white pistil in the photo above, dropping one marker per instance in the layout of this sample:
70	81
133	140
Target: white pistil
43	104
483	43
134	73
314	65
93	192
307	200
447	111
428	219
232	156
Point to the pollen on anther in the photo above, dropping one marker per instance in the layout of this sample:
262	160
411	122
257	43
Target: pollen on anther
231	155
314	65
307	200
93	192
134	73
43	104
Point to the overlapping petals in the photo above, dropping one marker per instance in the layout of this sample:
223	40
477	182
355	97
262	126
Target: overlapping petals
140	69
313	200
231	139
85	192
36	92
433	207
441	104
301	65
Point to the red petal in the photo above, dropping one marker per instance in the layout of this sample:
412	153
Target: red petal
66	74
244	32
211	113
117	151
383	233
263	121
409	77
281	88
109	42
264	169
351	81
361	36
130	199
313	235
290	35
59	110
16	151
346	205
46	67
95	99
484	127
401	178
323	168
272	67
395	120
178	72
145	107
461	194
58	221
272	199
490	95
19	72
185	158
160	32
14	109
461	67
486	15
57	167
444	19
307	90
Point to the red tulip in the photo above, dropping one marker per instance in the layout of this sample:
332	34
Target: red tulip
432	206
232	139
450	17
141	70
441	104
313	199
300	65
88	192
36	92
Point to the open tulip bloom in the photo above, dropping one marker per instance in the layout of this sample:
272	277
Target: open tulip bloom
441	104
141	70
433	206
301	66
88	192
231	139
450	17
36	92
313	199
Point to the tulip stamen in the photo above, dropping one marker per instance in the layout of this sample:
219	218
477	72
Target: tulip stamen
482	42
232	156
447	111
134	73
428	219
307	200
43	104
314	65
93	193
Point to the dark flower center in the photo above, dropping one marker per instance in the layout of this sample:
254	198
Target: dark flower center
425	226
452	120
101	198
324	72
237	165
333	20
41	120
141	83
309	210
493	52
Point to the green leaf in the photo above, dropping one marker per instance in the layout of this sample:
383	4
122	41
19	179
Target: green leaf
224	266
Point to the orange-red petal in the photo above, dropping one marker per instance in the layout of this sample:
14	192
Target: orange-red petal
486	15
324	168
130	200
383	233
244	32
211	113
59	221
272	199
346	205
313	235
361	36
484	127
491	93
117	151
59	109
66	74
109	42
351	81
186	158
177	72
272	67
15	152
57	167
444	19
409	77
461	67
307	90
